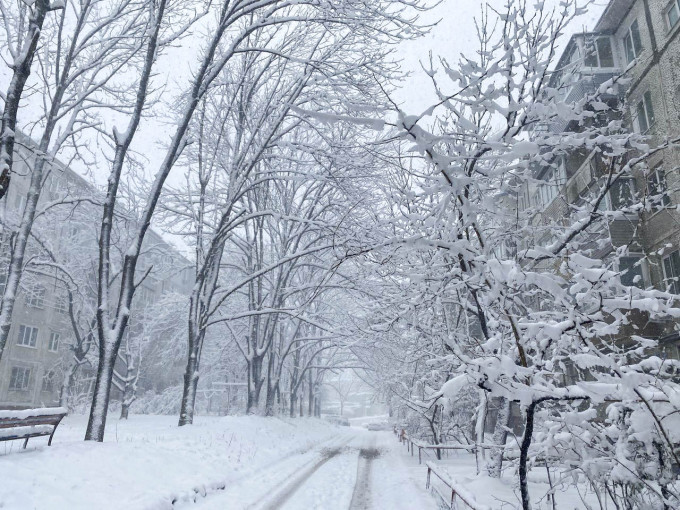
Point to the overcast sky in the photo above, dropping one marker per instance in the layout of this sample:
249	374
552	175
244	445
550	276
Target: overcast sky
454	35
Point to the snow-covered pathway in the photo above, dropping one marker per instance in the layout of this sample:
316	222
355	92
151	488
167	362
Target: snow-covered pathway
360	470
230	463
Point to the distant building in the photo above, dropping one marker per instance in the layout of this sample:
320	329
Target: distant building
38	347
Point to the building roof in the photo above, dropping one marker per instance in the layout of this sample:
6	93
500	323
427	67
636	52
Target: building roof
66	172
613	15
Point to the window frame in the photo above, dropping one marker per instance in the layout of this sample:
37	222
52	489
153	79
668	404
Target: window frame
657	179
647	104
35	298
48	381
32	338
671	282
674	5
61	304
25	379
640	263
631	37
591	48
54	338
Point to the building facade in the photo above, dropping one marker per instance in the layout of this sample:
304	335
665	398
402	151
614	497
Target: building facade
638	40
43	335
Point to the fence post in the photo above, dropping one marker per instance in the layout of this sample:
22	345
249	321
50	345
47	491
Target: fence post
427	484
420	455
411	448
453	499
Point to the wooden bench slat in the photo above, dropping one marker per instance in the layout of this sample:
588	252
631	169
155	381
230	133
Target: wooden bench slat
33	425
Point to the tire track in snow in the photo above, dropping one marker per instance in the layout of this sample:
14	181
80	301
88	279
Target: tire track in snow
290	489
205	494
361	497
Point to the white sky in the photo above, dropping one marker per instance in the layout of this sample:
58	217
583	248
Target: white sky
454	35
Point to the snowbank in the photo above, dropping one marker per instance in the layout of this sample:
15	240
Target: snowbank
146	462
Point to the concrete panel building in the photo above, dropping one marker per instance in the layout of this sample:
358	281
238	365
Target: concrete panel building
42	335
640	40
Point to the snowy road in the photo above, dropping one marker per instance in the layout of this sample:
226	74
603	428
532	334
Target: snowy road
357	470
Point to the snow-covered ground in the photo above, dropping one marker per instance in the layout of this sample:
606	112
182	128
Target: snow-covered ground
147	462
233	463
503	493
218	463
361	470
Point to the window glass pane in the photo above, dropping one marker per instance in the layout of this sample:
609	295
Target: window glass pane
673	15
628	46
642	117
621	194
649	108
671	265
591	55
658	189
604	49
631	274
637	42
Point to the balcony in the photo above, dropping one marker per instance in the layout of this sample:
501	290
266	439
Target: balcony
589	61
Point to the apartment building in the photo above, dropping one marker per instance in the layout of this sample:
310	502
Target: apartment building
42	335
639	39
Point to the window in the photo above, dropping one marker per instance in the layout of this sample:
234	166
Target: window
145	296
599	53
19	202
36	297
28	336
61	304
632	43
658	188
522	203
673	13
645	113
630	269
53	344
671	269
622	193
48	382
73	231
19	378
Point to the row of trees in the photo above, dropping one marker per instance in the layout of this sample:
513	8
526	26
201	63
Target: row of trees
321	243
265	189
490	318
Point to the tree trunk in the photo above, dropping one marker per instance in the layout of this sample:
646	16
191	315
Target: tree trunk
293	404
191	375
270	400
129	391
254	384
67	384
500	436
310	394
270	397
102	392
22	70
124	410
524	455
479	429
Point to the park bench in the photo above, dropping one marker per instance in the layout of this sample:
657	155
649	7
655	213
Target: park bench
27	423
